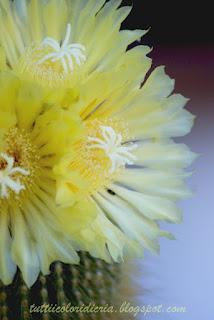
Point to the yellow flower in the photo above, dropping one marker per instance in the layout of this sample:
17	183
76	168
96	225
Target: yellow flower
33	137
128	166
87	158
60	42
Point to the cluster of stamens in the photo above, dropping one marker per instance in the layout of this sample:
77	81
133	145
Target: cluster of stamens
111	143
18	164
67	53
101	157
9	176
52	62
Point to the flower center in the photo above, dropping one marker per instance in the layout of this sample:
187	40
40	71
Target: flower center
9	176
18	165
101	158
68	54
52	61
111	144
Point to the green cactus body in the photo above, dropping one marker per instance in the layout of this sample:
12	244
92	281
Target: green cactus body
91	283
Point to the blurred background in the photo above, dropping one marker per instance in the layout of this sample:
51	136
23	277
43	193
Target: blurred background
182	37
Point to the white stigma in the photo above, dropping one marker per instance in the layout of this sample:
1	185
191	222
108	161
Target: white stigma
67	53
119	154
7	177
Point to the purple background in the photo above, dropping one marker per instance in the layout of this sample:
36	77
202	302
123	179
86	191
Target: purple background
183	274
